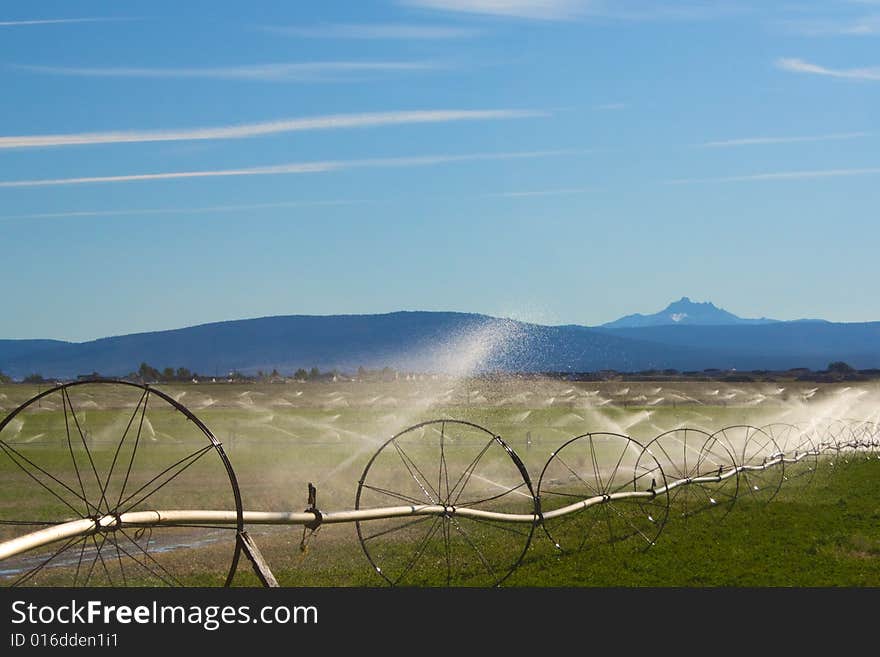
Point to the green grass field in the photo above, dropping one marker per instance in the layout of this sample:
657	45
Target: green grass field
826	533
281	437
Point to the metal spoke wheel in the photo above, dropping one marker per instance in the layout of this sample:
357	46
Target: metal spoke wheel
870	438
692	456
603	468
837	437
864	433
759	458
97	450
468	471
799	448
848	438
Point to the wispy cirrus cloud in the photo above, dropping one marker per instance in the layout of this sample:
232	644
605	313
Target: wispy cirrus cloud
781	175
565	191
248	207
60	21
855	27
566	10
552	10
249	130
274	72
794	65
404	31
758	141
651	10
291	168
209	209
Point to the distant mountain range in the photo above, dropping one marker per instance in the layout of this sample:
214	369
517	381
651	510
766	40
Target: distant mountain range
685	312
684	336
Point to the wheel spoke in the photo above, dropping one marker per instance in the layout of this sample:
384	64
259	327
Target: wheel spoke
119	446
711	497
703	455
595	460
608	523
474	547
579	478
398	528
33	571
192	458
119	557
10	451
151	558
468	473
473	503
137	442
675	493
391	493
656	444
617	465
759	451
630	523
633	482
410	465
685	451
444	468
101	557
144	565
420	549
572	516
79	561
589	531
706	454
95	560
83	438
750	486
496	525
73	457
448	551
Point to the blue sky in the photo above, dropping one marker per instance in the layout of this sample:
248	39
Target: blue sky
561	161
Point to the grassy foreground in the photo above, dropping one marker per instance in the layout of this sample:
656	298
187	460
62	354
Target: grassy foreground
825	533
281	437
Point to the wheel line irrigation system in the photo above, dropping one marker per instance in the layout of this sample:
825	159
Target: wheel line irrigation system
622	482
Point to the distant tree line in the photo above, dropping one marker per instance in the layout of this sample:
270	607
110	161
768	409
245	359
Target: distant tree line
147	372
312	375
834	372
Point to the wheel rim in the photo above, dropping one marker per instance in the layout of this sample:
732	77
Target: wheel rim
753	450
794	442
100	448
594	465
687	454
458	465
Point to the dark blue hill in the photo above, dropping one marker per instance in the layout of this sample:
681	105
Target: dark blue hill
448	341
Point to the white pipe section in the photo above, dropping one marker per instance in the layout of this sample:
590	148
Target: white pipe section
46	536
598	499
86	526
